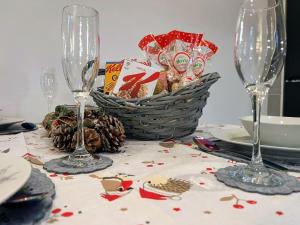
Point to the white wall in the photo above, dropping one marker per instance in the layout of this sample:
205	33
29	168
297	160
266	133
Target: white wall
30	39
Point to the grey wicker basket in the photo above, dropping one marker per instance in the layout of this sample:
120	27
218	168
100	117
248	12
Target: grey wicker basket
162	116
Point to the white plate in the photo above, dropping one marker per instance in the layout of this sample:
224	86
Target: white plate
276	130
238	135
6	121
14	172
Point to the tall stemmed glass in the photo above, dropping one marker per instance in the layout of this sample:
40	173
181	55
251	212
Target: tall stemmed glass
80	60
48	85
259	54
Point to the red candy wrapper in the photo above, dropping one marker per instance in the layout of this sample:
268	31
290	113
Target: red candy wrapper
180	49
182	55
155	50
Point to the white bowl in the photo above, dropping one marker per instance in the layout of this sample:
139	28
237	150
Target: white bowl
276	130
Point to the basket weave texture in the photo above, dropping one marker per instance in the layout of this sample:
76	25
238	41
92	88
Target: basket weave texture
162	116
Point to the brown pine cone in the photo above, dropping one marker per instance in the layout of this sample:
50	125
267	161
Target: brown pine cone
92	140
91	113
47	121
62	131
112	133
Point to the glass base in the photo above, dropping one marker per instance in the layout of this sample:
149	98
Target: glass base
258	179
77	165
258	175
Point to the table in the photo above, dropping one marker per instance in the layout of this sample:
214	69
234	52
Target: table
82	199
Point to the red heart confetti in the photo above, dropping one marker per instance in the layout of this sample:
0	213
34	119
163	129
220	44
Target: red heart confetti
279	213
53	175
176	209
188	144
238	206
67	214
55	211
252	202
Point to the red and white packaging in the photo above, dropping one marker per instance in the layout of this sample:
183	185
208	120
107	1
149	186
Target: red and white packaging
182	55
154	48
136	80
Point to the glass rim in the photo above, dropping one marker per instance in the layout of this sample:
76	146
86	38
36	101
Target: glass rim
259	9
93	10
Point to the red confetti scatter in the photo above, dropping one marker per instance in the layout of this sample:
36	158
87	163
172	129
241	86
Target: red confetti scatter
166	151
204	157
201	183
238	206
279	213
211	172
27	154
66	174
160	163
67	214
150	165
53	175
208	168
55	211
176	209
252	202
188	144
174	157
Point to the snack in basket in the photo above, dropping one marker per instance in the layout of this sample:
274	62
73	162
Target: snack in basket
162	83
155	50
201	54
180	48
181	55
112	71
136	80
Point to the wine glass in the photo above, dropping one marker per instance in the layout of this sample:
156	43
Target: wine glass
80	61
48	85
259	54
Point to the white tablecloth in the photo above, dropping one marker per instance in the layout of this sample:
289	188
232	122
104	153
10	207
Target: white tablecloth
82	199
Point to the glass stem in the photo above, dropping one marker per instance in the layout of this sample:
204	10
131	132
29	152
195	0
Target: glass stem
49	104
256	110
80	151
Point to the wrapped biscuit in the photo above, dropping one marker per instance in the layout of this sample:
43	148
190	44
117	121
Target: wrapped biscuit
154	48
180	49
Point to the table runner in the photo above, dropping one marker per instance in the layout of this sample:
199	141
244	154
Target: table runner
82	199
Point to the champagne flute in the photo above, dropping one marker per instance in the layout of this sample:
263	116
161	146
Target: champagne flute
80	60
259	54
48	85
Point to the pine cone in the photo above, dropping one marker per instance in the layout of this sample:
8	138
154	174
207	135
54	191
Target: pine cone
112	133
64	110
91	113
92	140
48	120
62	131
